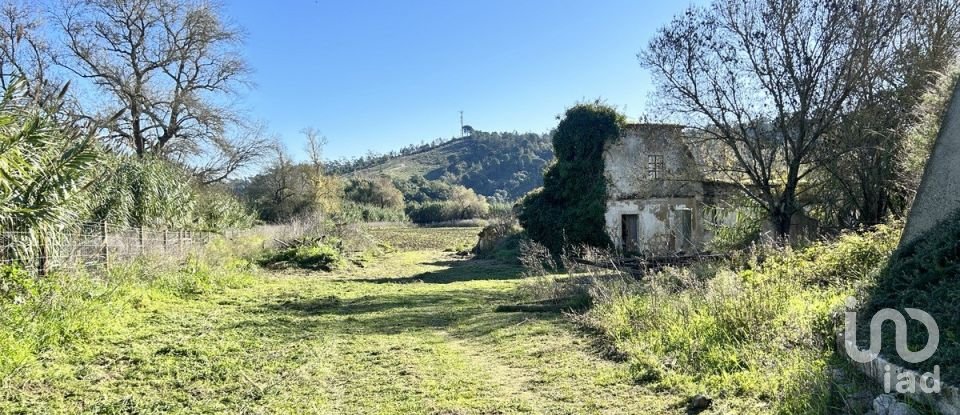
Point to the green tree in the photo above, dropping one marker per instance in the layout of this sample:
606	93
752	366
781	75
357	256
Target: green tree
43	168
379	192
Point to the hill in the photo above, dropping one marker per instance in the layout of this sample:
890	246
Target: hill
503	166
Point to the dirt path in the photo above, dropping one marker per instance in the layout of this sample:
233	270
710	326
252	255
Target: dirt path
414	334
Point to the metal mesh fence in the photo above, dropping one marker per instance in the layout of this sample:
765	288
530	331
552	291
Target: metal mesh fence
96	245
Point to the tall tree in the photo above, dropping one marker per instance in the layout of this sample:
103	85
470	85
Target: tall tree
867	176
769	80
167	67
327	188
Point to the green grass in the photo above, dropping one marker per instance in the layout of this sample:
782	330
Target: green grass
757	335
413	238
925	275
413	331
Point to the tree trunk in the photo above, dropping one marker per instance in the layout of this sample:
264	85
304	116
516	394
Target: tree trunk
781	224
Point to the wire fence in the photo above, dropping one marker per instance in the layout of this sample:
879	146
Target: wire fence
96	245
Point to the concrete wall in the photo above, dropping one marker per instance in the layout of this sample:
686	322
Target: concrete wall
658	223
939	193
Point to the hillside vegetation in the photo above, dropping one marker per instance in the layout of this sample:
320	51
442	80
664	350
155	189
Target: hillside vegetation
504	166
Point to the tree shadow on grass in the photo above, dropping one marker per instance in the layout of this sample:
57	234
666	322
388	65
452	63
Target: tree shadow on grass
456	271
389	313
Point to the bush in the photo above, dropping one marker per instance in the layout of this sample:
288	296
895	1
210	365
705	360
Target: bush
447	211
744	232
314	255
500	240
218	210
355	212
762	333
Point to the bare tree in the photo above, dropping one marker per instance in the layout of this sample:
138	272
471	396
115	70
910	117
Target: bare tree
315	144
868	179
327	189
769	79
167	67
224	157
24	53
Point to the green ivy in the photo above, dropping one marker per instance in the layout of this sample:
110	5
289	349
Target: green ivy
569	209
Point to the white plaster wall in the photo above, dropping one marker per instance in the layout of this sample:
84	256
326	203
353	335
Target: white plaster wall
658	222
625	162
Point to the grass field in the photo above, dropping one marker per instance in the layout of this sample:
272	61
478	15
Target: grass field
412	332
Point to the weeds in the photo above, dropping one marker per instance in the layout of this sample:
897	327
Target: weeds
314	255
756	336
61	309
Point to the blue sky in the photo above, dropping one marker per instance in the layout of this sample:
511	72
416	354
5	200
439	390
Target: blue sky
377	75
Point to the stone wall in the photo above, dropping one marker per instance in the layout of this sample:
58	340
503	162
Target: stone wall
939	193
946	402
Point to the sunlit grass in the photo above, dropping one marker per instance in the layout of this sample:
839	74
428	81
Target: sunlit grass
412	331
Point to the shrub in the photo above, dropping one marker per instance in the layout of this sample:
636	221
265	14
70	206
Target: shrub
218	210
744	232
500	240
470	207
306	254
356	212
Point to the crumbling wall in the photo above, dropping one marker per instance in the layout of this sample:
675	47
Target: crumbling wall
626	164
658	220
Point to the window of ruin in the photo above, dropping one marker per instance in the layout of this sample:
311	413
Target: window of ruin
655	166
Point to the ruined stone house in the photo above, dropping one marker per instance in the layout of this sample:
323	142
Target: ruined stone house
658	200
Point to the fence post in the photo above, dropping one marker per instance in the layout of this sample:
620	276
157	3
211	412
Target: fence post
42	256
164	241
140	238
105	249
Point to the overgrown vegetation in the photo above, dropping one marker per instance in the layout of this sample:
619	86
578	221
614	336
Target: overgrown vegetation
923	275
65	310
414	332
805	123
756	332
315	254
569	209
